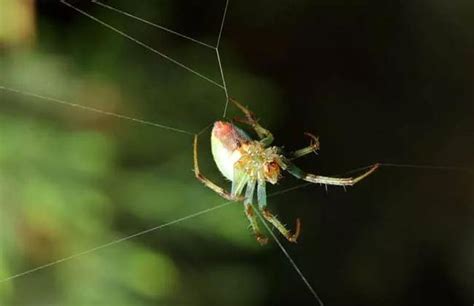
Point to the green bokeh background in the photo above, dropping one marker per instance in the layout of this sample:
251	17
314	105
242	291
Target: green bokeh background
377	80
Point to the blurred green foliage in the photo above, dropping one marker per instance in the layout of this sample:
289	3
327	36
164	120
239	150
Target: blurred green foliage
72	180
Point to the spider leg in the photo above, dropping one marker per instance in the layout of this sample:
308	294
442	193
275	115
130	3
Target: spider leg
251	214
238	183
319	179
280	227
266	138
313	147
261	194
262	203
253	223
208	183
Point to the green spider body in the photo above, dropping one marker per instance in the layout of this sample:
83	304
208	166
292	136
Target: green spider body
244	161
250	163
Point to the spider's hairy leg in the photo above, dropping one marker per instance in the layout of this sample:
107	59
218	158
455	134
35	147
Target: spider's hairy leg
261	194
262	204
239	181
266	138
280	227
208	183
319	179
251	214
312	148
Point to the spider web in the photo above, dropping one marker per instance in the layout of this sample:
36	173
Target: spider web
222	85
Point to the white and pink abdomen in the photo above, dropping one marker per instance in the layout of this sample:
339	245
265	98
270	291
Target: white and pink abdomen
226	138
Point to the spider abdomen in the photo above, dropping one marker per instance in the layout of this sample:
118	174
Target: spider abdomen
226	139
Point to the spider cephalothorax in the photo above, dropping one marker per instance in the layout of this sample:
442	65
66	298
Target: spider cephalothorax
249	164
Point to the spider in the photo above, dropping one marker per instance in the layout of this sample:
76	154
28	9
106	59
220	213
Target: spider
250	163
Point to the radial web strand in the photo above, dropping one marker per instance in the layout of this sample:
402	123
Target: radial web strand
135	235
94	110
143	44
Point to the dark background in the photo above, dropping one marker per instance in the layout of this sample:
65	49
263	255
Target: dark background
378	81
